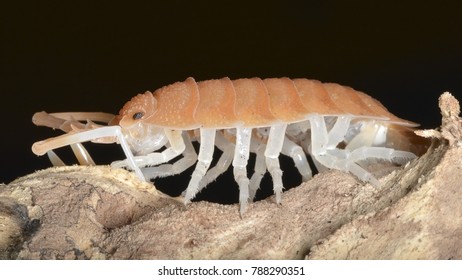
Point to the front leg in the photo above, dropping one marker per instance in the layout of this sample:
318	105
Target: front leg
177	147
169	169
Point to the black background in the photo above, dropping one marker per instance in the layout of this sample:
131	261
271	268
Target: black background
95	55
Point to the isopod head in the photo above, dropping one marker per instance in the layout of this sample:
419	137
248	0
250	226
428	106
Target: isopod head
137	110
142	136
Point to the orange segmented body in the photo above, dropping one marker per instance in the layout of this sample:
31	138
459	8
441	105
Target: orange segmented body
255	102
336	125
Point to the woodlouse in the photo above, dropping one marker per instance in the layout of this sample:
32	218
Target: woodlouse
338	126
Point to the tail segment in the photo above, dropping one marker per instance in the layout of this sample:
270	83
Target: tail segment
403	138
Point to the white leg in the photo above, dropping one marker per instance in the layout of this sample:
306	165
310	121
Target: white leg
297	154
319	166
363	153
82	154
370	133
305	143
204	159
189	158
41	147
241	156
259	169
177	147
349	162
54	158
318	135
346	160
223	163
298	129
320	140
337	134
273	149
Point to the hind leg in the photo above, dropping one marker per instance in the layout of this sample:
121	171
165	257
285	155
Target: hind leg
324	151
357	150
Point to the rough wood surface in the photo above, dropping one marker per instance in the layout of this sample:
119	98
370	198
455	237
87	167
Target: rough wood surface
101	213
425	224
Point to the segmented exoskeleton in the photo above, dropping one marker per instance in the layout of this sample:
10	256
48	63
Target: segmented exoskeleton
336	125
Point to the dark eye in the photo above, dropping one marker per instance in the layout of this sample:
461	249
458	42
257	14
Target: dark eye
138	115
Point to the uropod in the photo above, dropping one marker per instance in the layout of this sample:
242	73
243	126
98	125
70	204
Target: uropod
339	127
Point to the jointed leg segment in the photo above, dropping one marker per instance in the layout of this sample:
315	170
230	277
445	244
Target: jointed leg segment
164	170
177	146
273	149
223	163
297	154
241	156
259	169
324	148
204	159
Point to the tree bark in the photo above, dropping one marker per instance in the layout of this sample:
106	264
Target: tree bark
82	212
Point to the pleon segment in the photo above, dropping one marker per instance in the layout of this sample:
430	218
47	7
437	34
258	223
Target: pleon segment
347	98
360	104
315	98
379	110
